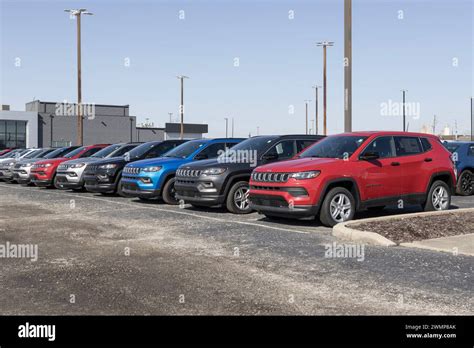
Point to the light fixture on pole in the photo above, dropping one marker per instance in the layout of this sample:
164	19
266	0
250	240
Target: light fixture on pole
324	45
316	121
181	105
77	14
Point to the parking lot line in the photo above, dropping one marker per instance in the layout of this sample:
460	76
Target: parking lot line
159	209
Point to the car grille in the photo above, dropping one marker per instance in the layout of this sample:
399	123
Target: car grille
63	166
91	168
191	173
132	170
270	177
18	166
269	201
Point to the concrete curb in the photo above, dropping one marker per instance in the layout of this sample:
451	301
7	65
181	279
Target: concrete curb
344	231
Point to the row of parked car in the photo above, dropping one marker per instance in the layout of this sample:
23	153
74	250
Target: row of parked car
286	176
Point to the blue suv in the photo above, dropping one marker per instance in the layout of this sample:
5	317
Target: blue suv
463	157
155	177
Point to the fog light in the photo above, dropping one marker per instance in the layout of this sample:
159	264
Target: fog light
145	180
102	177
72	174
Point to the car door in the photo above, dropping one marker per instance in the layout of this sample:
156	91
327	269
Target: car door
379	178
411	157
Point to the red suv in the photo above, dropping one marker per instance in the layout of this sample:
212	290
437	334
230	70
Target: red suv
43	173
350	172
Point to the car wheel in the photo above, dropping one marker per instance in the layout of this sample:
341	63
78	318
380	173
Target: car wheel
237	201
465	185
439	197
338	206
169	193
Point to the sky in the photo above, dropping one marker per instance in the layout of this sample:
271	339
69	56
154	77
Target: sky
254	61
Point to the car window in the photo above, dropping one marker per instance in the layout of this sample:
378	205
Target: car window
160	149
383	146
334	146
212	151
470	151
122	150
426	144
283	150
90	152
303	144
406	146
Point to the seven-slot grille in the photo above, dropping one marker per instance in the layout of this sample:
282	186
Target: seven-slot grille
63	166
188	173
270	177
132	170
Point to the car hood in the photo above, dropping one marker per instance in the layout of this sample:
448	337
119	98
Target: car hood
231	166
53	160
83	160
30	160
111	160
299	165
159	161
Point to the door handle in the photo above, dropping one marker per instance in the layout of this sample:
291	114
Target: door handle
428	159
395	164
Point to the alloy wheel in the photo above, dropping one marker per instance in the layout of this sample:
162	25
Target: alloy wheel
340	207
241	198
440	198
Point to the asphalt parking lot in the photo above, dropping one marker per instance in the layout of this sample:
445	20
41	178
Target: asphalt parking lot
111	255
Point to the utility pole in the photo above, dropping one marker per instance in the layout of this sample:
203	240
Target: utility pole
181	106
472	119
131	129
306	107
455	129
51	130
348	66
316	122
80	127
324	45
434	124
403	105
310	129
226	124
232	127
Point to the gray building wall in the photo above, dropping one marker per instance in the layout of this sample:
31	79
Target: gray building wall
150	134
31	119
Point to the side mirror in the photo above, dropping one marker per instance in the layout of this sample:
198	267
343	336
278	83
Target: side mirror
200	156
368	156
270	157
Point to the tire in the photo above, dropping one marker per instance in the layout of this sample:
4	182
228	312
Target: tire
169	193
237	199
119	191
432	203
333	199
465	185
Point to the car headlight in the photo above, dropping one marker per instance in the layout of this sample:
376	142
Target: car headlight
26	165
77	165
48	164
214	171
152	169
305	175
107	166
11	164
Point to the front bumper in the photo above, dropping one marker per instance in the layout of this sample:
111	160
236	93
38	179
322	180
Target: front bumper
278	206
6	174
21	176
41	182
69	180
195	191
134	190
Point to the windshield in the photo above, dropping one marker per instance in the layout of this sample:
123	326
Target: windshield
57	153
141	150
122	150
75	152
34	153
184	150
334	147
106	151
452	147
258	143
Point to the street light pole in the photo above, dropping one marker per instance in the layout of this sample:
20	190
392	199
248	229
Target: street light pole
324	45
51	130
316	122
131	129
226	126
348	66
80	127
306	107
181	106
472	119
232	127
170	114
403	105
